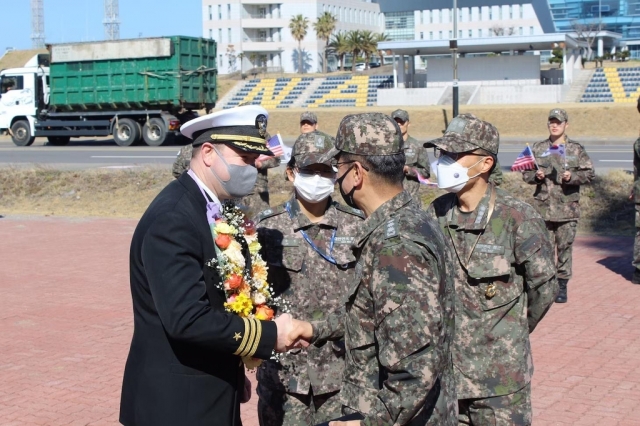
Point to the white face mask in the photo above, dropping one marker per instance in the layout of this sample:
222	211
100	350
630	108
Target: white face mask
452	176
313	188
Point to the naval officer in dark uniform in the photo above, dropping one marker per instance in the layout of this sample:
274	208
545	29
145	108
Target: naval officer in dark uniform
184	366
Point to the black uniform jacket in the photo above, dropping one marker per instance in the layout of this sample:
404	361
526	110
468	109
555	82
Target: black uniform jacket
184	365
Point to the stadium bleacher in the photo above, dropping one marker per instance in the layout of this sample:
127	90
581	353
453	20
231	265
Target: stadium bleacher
270	93
620	85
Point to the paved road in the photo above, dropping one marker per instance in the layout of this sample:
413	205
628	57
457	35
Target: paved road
96	153
66	324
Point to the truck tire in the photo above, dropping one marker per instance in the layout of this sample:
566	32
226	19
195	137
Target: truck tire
127	132
58	140
21	133
154	132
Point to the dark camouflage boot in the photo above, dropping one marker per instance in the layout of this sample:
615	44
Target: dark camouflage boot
636	276
562	291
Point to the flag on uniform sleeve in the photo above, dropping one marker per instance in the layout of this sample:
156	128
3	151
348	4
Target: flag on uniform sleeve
554	150
278	148
525	161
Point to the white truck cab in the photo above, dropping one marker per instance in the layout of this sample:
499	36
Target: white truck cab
23	93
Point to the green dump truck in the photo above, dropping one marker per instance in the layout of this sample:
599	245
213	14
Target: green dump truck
136	90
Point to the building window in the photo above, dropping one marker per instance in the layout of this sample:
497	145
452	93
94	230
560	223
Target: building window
211	13
400	25
490	13
531	31
459	33
480	32
490	33
220	60
521	11
421	17
219	35
431	16
470	33
421	35
229	35
210	33
430	35
440	11
450	34
520	31
228	11
440	34
450	15
219	11
510	12
479	14
500	13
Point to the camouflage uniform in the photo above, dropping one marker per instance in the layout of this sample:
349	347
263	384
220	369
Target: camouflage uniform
558	201
636	200
416	158
504	284
399	309
496	176
255	201
302	388
295	269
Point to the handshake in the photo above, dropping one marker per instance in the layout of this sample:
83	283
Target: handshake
292	333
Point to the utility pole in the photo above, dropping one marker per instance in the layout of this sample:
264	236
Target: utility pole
37	24
453	45
111	20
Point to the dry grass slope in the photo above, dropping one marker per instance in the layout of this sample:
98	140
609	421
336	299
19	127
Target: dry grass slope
127	193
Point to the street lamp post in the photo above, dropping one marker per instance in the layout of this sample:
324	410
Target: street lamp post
453	45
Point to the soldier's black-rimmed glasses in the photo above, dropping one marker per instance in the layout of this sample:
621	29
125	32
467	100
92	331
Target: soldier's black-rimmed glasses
437	153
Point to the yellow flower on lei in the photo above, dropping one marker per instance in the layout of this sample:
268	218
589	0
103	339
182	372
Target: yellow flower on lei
242	305
225	228
254	247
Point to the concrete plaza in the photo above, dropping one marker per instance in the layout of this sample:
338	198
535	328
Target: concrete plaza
66	325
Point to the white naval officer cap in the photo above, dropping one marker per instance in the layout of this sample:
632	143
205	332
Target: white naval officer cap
244	128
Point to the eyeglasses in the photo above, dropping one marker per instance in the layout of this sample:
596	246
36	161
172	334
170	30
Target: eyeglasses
330	174
352	161
437	153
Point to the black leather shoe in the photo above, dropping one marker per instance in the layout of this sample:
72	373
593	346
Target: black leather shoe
562	291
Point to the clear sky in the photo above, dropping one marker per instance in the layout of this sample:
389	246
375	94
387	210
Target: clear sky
81	20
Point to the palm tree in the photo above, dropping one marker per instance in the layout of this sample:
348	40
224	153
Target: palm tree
354	43
368	45
340	47
298	26
324	26
380	37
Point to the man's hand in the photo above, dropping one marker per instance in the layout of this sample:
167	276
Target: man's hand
566	176
284	323
540	174
301	333
258	164
349	423
246	394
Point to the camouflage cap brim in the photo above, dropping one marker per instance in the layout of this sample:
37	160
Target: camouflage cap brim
329	157
305	160
451	143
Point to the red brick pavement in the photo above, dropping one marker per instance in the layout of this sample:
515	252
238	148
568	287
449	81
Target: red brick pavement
65	327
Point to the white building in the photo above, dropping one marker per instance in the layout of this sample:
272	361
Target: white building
259	29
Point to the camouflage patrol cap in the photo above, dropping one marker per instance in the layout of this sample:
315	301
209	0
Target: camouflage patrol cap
401	114
466	133
371	133
310	147
559	114
308	116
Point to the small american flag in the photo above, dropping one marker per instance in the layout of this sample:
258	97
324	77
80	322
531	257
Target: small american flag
525	161
275	145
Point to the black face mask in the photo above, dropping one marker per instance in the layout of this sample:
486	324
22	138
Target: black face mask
348	198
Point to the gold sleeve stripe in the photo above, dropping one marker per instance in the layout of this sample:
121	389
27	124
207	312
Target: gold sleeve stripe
244	339
252	333
238	138
256	341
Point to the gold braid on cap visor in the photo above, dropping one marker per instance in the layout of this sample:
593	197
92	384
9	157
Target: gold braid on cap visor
238	138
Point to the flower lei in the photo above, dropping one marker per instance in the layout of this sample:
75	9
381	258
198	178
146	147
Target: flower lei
244	278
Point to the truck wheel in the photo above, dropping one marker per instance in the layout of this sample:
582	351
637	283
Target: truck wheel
154	132
127	132
58	140
21	133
